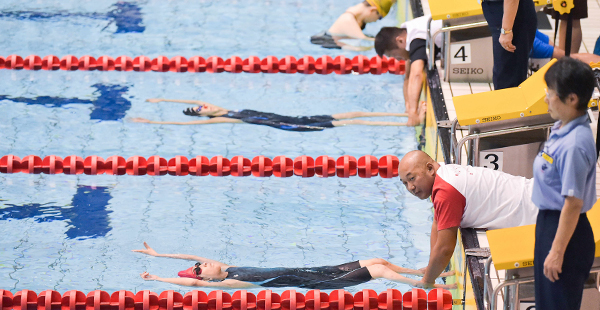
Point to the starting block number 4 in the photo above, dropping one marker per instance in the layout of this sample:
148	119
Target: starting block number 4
491	160
460	54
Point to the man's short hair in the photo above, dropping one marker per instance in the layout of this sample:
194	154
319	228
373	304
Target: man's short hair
571	76
385	40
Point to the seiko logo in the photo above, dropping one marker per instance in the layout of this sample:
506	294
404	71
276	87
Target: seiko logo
491	119
467	71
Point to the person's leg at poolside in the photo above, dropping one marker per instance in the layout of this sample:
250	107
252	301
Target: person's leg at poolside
576	35
510	68
566	293
349	115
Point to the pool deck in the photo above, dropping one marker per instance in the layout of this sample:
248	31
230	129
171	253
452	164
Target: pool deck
591	30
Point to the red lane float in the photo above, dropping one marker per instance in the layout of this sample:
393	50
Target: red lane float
346	166
391	299
14	62
32	62
316	300
325	166
213	64
50	62
142	63
416	299
439	299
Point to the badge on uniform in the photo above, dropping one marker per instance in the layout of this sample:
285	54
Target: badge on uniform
547	157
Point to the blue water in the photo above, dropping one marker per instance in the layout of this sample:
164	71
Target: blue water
67	232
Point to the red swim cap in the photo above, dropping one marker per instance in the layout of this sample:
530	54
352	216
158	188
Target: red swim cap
188	273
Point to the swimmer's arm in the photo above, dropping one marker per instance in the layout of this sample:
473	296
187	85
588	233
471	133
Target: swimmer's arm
215	120
150	251
346	27
349	47
229	283
197	102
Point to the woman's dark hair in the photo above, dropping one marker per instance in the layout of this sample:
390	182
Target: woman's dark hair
385	40
571	76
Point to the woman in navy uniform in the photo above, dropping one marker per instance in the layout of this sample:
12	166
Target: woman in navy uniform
565	189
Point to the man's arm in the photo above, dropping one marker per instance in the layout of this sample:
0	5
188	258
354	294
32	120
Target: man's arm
150	251
440	255
413	91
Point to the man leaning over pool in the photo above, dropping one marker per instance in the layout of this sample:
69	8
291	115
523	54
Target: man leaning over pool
467	197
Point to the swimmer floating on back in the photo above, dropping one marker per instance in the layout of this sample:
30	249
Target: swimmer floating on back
212	273
217	115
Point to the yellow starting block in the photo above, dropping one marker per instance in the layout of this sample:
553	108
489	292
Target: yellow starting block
444	9
523	101
512	251
513	247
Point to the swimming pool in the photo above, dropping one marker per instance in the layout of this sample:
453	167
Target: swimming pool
67	232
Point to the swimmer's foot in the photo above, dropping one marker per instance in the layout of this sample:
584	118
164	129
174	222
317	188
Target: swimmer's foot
447	274
447	286
422	111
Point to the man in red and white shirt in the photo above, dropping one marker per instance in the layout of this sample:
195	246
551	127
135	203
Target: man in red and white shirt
464	196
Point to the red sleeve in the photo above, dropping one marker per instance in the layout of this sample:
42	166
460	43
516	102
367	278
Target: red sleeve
448	204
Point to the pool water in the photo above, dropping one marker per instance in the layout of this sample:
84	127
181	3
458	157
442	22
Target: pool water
66	232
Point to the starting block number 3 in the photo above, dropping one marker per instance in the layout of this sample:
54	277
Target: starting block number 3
460	54
491	160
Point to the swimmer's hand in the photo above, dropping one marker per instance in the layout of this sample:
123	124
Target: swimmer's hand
139	120
154	100
148	277
149	251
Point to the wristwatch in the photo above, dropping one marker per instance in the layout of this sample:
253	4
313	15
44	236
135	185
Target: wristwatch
503	31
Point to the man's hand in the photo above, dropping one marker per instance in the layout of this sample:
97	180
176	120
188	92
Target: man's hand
506	42
148	277
154	100
421	284
139	120
553	265
149	251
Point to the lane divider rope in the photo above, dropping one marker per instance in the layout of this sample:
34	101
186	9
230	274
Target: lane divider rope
391	299
304	166
307	64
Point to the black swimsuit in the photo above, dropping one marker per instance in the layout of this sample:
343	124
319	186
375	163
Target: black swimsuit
326	277
291	123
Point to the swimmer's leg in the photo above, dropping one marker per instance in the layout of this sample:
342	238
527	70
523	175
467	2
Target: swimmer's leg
381	271
363	122
366	114
396	268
